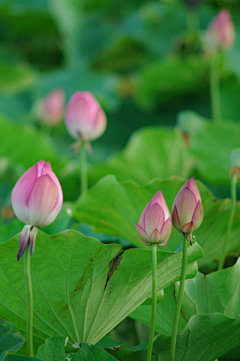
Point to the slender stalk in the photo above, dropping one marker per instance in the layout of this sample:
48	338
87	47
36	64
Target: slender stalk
215	88
27	272
154	301
230	221
84	177
179	300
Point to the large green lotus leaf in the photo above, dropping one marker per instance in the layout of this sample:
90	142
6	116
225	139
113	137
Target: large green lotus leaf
164	315
10	338
122	205
114	208
91	353
82	288
152	152
205	338
53	349
216	292
24	144
211	146
162	81
123	351
21	358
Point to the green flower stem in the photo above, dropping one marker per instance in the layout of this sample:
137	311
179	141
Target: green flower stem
27	273
215	88
230	221
154	301
84	176
180	298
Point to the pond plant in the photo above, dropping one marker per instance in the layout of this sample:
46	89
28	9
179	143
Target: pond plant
139	260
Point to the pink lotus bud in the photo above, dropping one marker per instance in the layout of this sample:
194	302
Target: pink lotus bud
85	119
221	33
36	200
51	108
155	222
187	214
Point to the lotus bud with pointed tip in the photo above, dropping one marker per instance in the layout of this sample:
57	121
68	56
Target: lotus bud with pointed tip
155	222
221	33
85	119
187	214
36	200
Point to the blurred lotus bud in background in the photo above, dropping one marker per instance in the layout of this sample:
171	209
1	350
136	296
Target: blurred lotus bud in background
50	110
221	31
85	120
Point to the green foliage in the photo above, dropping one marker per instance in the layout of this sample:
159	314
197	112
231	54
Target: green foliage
152	152
21	358
162	81
122	351
92	286
210	308
10	338
211	146
145	72
207	336
91	353
53	349
24	144
15	78
216	292
119	213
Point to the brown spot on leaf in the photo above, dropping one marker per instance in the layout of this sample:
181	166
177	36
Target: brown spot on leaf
113	265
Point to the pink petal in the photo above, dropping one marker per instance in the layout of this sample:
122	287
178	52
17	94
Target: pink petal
166	230
77	114
155	236
32	237
143	235
43	200
154	219
193	187
100	125
198	215
175	219
188	227
40	166
159	199
24	238
185	204
22	192
51	216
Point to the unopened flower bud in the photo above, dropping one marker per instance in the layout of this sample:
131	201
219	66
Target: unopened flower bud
85	119
155	222
51	109
187	214
221	33
36	200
